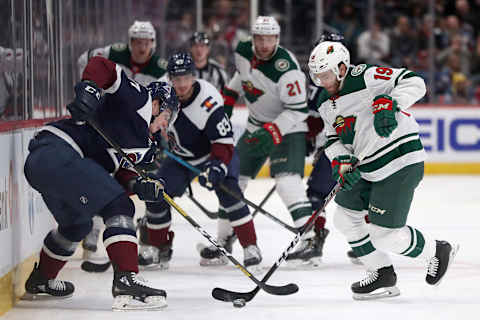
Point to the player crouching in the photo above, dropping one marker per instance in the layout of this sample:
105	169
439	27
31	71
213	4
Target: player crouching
201	135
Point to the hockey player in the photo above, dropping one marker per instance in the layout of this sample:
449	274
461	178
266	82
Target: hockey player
139	61
377	156
69	151
137	58
205	67
273	85
202	135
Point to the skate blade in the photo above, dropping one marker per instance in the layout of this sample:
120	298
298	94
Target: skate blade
453	253
129	303
388	292
89	266
356	261
304	264
42	297
215	262
155	266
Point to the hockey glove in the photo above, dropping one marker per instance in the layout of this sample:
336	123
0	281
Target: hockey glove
264	139
150	189
344	173
384	109
213	174
87	100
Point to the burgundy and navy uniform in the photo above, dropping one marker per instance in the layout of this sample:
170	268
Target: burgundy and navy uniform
73	168
200	132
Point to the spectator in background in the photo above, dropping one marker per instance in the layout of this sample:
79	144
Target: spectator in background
374	45
347	23
456	48
403	43
475	71
179	32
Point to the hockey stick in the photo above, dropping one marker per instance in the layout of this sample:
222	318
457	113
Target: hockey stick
230	296
210	214
234	194
275	290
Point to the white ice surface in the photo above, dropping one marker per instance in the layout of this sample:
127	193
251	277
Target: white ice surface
445	207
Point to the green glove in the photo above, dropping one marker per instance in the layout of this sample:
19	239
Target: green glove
344	173
264	139
384	109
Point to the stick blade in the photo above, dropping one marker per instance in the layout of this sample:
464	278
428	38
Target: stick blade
230	296
286	290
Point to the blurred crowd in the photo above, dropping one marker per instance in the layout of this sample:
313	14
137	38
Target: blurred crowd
392	33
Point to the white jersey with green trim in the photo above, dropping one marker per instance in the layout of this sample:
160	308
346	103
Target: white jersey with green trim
349	120
274	90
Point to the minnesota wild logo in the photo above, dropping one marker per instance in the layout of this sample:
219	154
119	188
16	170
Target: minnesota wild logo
330	49
251	93
345	128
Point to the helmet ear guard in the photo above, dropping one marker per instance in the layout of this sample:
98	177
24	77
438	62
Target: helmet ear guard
328	55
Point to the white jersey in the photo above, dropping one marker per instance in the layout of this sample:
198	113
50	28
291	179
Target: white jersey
274	90
349	114
121	55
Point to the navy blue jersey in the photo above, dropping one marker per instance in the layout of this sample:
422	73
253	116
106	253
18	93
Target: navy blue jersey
125	117
201	123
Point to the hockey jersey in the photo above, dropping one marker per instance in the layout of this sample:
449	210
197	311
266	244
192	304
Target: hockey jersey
125	117
200	123
121	55
349	119
214	73
274	90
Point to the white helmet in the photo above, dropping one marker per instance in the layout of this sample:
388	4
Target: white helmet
328	55
141	30
266	25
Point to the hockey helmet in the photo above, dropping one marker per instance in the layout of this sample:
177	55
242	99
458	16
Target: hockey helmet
142	30
266	25
180	63
328	55
200	37
166	95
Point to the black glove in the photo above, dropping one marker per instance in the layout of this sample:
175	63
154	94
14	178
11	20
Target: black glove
149	189
87	100
213	174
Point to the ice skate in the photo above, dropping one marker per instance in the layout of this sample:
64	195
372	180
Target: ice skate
439	264
353	257
94	261
309	252
38	287
130	292
377	285
156	258
252	257
211	256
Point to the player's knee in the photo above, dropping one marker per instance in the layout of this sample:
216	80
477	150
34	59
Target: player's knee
348	221
290	188
122	205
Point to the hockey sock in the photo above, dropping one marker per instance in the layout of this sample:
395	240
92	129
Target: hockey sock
320	223
157	237
246	234
124	255
49	266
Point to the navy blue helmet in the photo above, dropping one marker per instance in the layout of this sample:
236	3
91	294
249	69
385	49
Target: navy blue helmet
180	63
166	95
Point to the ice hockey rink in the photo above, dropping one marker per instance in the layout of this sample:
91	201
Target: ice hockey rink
445	207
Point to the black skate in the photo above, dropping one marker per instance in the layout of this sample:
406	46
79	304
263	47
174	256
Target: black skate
438	265
378	284
130	292
151	257
353	257
212	256
38	287
309	251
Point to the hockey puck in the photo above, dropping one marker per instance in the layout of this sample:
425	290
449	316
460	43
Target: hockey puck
239	303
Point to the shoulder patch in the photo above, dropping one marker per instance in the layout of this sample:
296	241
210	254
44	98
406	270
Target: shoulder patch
358	70
282	65
119	46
